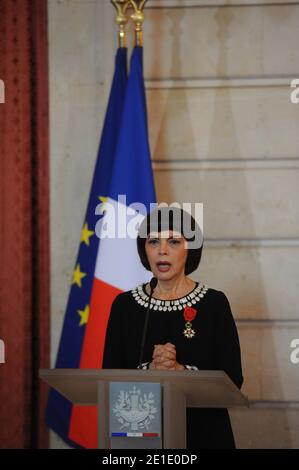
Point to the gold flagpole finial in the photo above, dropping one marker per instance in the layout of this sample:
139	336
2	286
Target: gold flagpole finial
121	19
138	18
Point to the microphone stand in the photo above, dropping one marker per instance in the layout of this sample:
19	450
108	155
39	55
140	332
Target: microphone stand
153	284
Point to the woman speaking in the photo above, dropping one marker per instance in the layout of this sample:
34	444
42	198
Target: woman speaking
189	326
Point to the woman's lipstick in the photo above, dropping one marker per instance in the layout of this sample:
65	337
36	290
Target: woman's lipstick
163	266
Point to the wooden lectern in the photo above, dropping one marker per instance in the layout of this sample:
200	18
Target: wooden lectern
180	389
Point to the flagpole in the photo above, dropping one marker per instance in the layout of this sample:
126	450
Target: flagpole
138	18
121	19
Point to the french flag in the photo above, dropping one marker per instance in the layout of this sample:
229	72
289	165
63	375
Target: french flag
106	265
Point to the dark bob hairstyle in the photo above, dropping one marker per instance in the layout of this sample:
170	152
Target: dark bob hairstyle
171	219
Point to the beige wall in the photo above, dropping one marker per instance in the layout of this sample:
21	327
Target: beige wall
224	132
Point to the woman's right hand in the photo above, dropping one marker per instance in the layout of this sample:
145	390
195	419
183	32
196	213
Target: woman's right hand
164	357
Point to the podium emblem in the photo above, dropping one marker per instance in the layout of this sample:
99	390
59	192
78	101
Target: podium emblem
135	408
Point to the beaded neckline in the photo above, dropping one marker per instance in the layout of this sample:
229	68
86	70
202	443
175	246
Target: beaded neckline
141	297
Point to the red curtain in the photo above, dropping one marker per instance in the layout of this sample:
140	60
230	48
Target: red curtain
24	222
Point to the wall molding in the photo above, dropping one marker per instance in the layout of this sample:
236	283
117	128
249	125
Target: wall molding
179	4
222	82
252	242
226	164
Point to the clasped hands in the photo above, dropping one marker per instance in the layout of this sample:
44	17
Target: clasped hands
164	358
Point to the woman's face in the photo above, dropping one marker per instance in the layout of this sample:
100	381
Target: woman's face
166	253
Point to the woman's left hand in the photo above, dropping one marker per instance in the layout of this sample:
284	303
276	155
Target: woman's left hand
164	358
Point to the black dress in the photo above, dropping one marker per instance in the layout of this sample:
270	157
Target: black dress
215	346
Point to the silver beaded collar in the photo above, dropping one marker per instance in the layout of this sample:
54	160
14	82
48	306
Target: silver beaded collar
192	298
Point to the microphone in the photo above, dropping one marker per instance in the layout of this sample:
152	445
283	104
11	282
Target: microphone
153	284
